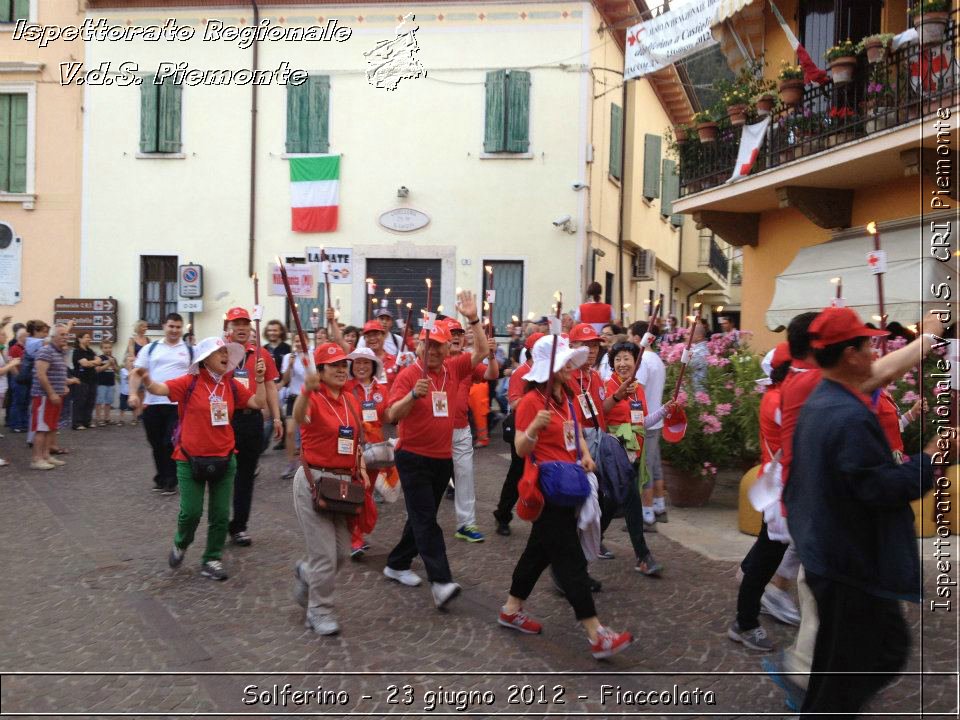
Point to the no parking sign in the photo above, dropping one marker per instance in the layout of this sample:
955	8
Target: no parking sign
191	281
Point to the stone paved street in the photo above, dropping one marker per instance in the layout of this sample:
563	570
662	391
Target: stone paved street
86	588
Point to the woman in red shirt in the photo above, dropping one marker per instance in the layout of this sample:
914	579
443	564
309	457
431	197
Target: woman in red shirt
545	435
204	443
330	432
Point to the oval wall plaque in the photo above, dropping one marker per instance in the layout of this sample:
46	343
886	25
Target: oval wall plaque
404	220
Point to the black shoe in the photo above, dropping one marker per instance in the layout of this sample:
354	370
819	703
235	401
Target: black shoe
503	528
595	585
169	490
241	538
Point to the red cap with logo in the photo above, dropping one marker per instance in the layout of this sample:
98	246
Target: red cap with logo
237	313
532	340
584	332
834	325
781	354
453	325
372	326
440	333
328	353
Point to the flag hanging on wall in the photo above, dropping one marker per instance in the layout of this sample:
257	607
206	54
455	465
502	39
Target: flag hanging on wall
751	140
315	193
811	72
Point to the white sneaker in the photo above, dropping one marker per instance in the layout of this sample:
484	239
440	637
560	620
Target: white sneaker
444	593
778	603
56	462
404	577
41	465
322	624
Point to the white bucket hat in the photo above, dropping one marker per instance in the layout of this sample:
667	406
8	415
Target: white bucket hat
366	354
206	347
540	371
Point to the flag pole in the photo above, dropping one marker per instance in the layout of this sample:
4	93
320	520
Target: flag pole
256	303
426	344
872	229
553	352
685	358
293	309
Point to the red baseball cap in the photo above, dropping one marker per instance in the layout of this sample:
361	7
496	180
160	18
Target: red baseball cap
532	340
328	353
584	332
834	325
781	354
675	425
237	313
440	333
453	325
372	326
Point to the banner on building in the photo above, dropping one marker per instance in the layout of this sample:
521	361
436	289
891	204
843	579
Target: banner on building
751	140
340	260
669	37
303	280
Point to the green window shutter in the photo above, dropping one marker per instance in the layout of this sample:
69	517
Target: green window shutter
518	112
669	187
493	128
5	143
18	143
171	100
21	10
149	101
319	114
297	96
616	140
651	166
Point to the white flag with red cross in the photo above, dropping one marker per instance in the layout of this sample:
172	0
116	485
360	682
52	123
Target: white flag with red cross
877	261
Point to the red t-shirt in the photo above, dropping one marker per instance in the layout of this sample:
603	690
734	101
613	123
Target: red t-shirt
420	432
460	420
15	351
517	385
246	372
550	444
320	431
794	391
769	427
199	437
889	416
376	394
587	380
619	414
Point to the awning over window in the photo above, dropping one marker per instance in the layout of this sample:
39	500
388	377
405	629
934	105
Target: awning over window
738	26
805	285
729	8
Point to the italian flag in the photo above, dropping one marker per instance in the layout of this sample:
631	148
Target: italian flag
315	193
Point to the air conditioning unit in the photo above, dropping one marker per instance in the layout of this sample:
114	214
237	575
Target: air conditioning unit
644	265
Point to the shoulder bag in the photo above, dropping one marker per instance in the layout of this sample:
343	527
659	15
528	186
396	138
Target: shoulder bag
564	483
334	492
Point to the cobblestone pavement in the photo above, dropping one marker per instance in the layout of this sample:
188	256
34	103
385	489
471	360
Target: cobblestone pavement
86	589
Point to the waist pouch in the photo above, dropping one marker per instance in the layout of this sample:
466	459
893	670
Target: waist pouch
564	483
209	469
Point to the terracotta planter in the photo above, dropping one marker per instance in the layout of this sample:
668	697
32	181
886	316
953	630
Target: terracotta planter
765	105
737	114
876	52
791	91
932	26
842	69
686	489
708	131
681	134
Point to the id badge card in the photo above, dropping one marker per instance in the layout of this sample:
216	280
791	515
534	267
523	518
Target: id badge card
569	435
369	408
345	440
636	412
242	377
440	406
587	405
219	413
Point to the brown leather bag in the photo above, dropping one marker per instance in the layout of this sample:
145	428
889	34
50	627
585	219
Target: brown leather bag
337	495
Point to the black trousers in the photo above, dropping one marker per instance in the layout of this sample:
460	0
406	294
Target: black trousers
248	435
759	567
84	397
632	513
508	493
554	542
858	632
424	481
159	422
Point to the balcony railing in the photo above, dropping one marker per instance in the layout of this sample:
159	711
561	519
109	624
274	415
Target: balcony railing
712	256
910	83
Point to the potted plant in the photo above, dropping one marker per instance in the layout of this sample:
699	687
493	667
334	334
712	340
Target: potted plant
842	59
790	83
707	127
765	103
842	122
930	18
876	106
875	47
737	100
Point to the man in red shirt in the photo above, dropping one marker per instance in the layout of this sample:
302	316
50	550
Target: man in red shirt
420	403
515	391
248	424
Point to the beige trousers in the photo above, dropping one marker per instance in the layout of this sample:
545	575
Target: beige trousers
327	538
799	657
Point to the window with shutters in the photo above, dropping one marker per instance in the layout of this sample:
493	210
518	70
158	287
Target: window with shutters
14	119
670	192
616	142
160	116
652	146
308	116
508	288
13	10
506	126
158	288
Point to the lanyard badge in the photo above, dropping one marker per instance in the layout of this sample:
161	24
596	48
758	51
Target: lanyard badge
242	376
636	412
345	440
219	412
369	408
569	435
587	406
440	406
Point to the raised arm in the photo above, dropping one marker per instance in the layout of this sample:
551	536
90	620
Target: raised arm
143	378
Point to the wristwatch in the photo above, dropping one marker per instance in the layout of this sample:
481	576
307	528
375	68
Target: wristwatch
474	322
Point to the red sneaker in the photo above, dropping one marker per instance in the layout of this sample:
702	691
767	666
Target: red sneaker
609	643
520	621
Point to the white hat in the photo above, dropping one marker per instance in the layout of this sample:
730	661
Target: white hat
365	353
540	371
206	347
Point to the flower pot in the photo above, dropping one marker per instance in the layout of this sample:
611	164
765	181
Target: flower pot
791	91
839	138
932	27
707	131
687	489
681	134
765	105
842	69
737	114
876	52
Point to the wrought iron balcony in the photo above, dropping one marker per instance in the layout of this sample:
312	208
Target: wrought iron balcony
712	256
907	84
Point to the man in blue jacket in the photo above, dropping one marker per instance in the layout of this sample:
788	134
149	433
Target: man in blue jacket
848	506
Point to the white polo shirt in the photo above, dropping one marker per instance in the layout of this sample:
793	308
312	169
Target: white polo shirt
166	362
652	374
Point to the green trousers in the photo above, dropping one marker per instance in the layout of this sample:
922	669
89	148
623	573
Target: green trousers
191	508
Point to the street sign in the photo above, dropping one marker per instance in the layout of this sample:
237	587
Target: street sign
191	281
190	306
77	305
98	316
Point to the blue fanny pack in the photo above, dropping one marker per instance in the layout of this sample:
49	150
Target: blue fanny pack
564	483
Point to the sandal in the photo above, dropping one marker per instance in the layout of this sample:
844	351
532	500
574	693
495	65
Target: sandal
59	451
